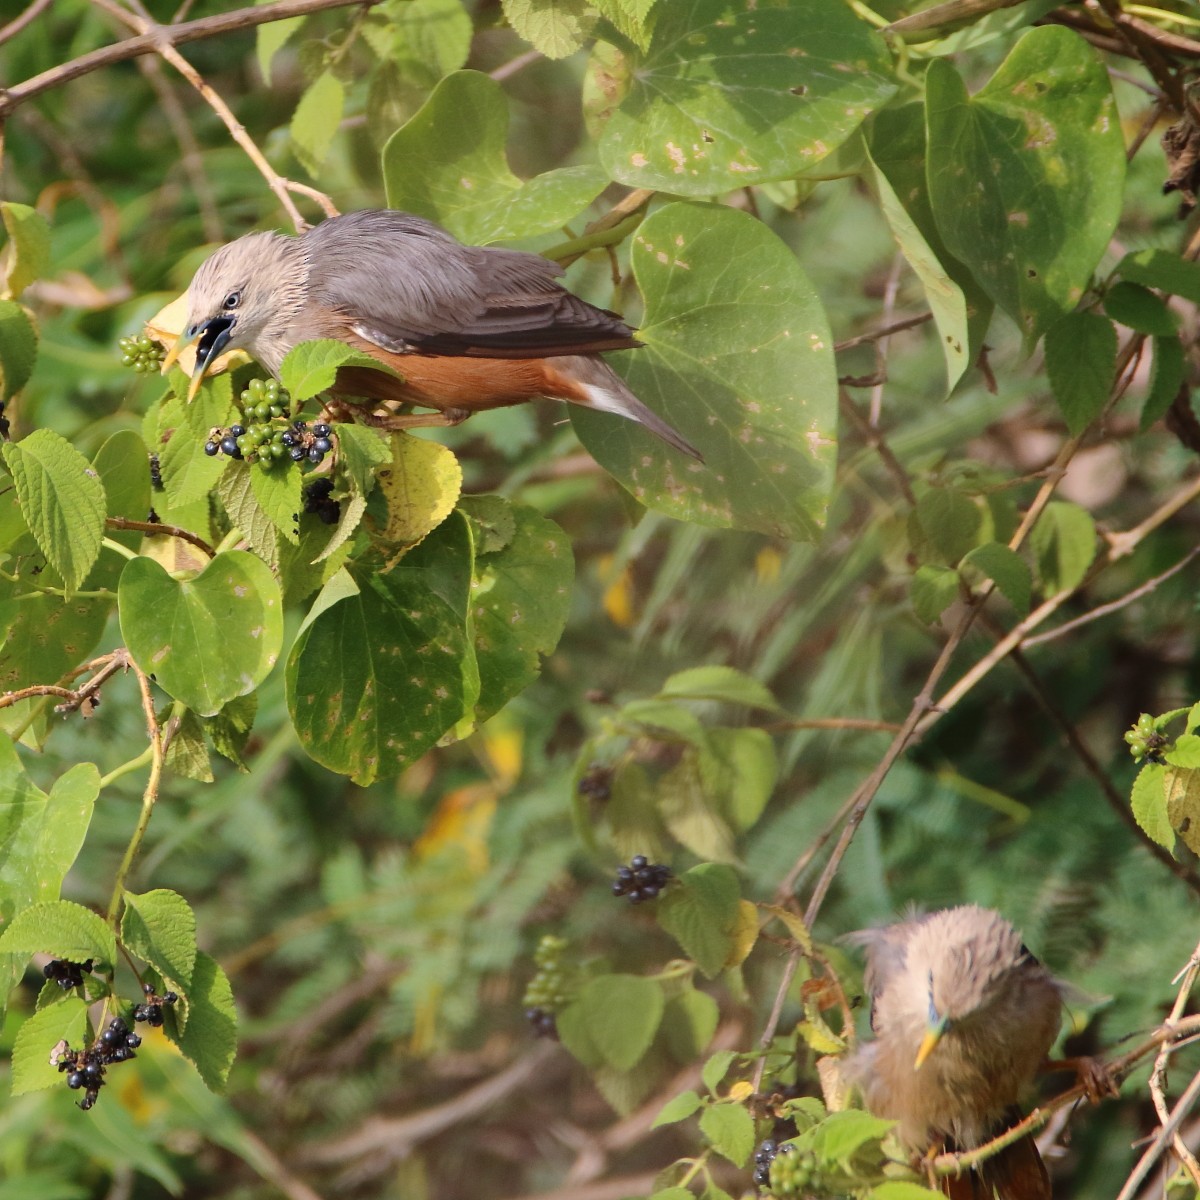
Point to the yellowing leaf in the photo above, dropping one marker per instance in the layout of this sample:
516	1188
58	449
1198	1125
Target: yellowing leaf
795	925
741	1090
618	595
463	818
745	934
421	486
1183	806
504	745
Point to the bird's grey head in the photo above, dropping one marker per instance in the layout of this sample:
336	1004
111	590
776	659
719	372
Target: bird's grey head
244	297
965	958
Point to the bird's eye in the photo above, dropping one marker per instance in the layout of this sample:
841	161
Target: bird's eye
232	300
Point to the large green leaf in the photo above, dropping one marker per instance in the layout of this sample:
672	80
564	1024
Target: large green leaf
209	639
1025	178
375	677
210	1039
463	180
62	500
738	357
732	94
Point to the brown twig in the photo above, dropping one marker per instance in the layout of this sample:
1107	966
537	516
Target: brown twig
105	667
172	35
874	438
31	14
156	528
860	724
884	331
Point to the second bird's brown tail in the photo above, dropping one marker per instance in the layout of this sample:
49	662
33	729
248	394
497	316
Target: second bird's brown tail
606	391
1016	1173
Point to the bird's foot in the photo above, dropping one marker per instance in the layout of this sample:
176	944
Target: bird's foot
1091	1074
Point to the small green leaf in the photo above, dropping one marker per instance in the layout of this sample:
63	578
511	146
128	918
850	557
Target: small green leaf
842	1133
312	367
1006	569
41	833
316	120
934	589
160	928
18	349
459	136
270	38
741	771
1185	752
950	520
28	249
730	1131
1081	362
1164	270
554	28
229	730
122	462
277	490
576	1036
1167	374
62	500
700	911
186	754
1140	309
1064	546
63	929
208	639
39	1033
679	1108
210	1039
726	684
1149	803
716	1068
623	1013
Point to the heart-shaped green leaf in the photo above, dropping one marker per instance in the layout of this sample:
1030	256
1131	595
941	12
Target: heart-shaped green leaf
206	640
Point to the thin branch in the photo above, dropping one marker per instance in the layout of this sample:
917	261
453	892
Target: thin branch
884	331
1106	610
31	14
156	528
874	438
514	65
860	724
170	35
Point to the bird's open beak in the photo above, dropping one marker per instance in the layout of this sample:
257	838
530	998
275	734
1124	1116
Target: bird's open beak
214	336
933	1035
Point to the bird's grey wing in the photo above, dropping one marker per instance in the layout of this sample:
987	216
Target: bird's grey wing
405	285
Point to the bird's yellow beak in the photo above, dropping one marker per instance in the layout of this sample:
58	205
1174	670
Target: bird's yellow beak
196	380
171	357
933	1035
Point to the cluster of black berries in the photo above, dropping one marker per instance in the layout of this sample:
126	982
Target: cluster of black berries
318	499
67	974
156	481
641	880
552	988
151	1010
86	1068
764	1156
5	424
142	353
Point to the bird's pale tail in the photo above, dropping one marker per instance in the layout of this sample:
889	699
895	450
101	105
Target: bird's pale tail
606	391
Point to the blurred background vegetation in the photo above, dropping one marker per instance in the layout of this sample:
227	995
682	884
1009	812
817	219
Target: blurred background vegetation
378	940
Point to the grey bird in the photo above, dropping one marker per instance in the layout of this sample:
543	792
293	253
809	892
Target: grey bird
458	328
963	1016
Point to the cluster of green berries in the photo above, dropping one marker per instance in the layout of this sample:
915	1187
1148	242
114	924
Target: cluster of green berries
791	1172
1145	740
142	353
266	435
67	974
85	1069
641	880
552	988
